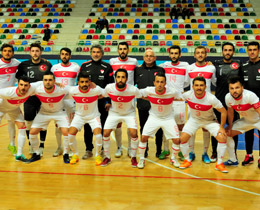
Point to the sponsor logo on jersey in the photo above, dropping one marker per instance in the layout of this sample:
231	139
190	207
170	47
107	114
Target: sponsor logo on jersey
43	67
234	66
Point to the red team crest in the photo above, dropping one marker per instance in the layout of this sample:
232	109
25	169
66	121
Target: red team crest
259	71
43	67
102	71
234	66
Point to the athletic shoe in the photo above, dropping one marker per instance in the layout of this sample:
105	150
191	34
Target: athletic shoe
175	163
12	149
185	164
119	152
230	163
99	160
74	159
156	154
248	160
259	163
164	154
21	158
220	167
181	156
129	152
192	156
41	151
34	158
58	152
87	155
205	158
213	157
106	161
134	162
66	158
141	164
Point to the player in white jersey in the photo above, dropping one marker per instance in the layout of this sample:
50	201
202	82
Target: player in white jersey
52	108
12	98
65	73
128	63
86	112
201	104
208	71
247	104
160	116
8	68
176	75
122	109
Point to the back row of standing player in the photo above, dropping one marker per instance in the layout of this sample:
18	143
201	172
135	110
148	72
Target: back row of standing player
175	70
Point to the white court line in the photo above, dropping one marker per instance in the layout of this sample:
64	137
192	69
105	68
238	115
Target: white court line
190	175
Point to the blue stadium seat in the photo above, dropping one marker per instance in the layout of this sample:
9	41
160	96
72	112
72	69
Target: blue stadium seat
204	43
156	10
169	43
141	43
201	26
244	9
12	31
105	9
175	26
242	50
55	20
216	37
133	9
137	20
129	31
184	50
20	10
101	5
22	14
117	26
4	25
53	10
19	20
88	43
154	37
188	31
24	42
247	26
108	36
84	31
40	25
228	32
214	9
174	21
47	49
212	20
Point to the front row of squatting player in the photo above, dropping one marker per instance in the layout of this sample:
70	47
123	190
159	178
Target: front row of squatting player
201	105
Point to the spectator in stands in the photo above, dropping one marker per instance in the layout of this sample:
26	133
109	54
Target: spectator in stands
98	24
47	33
185	12
174	12
104	23
179	12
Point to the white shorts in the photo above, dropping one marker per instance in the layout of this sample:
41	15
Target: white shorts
244	125
169	127
113	120
179	111
14	116
42	120
192	125
70	106
78	121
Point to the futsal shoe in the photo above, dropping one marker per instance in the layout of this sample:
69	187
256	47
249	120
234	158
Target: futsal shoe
181	156
213	157
21	158
74	159
12	149
87	155
220	167
105	162
141	164
192	156
58	152
230	163
175	163
34	158
133	162
66	158
119	152
164	154
205	158
248	160
98	160
185	164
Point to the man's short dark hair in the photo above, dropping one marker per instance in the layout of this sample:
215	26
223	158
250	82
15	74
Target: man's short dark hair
97	46
200	47
68	50
49	73
83	74
35	44
175	47
123	43
228	43
5	45
235	79
202	79
24	78
160	74
253	43
121	70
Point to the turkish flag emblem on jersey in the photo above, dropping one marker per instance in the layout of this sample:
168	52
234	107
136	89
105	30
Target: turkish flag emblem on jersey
234	66
43	67
102	71
155	73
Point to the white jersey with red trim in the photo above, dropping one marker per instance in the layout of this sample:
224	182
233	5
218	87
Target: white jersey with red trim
161	104
176	74
206	71
122	100
86	102
129	64
51	102
245	105
202	108
66	74
11	100
7	72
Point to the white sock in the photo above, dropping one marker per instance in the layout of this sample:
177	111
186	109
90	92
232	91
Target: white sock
141	148
231	149
58	136
165	144
134	145
66	145
34	143
98	144
192	142
129	138
106	145
175	150
118	135
206	141
185	150
12	132
221	151
21	140
73	144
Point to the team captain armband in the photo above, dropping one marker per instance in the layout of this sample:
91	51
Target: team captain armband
257	105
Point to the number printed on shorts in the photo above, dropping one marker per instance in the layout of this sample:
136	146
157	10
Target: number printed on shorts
160	108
